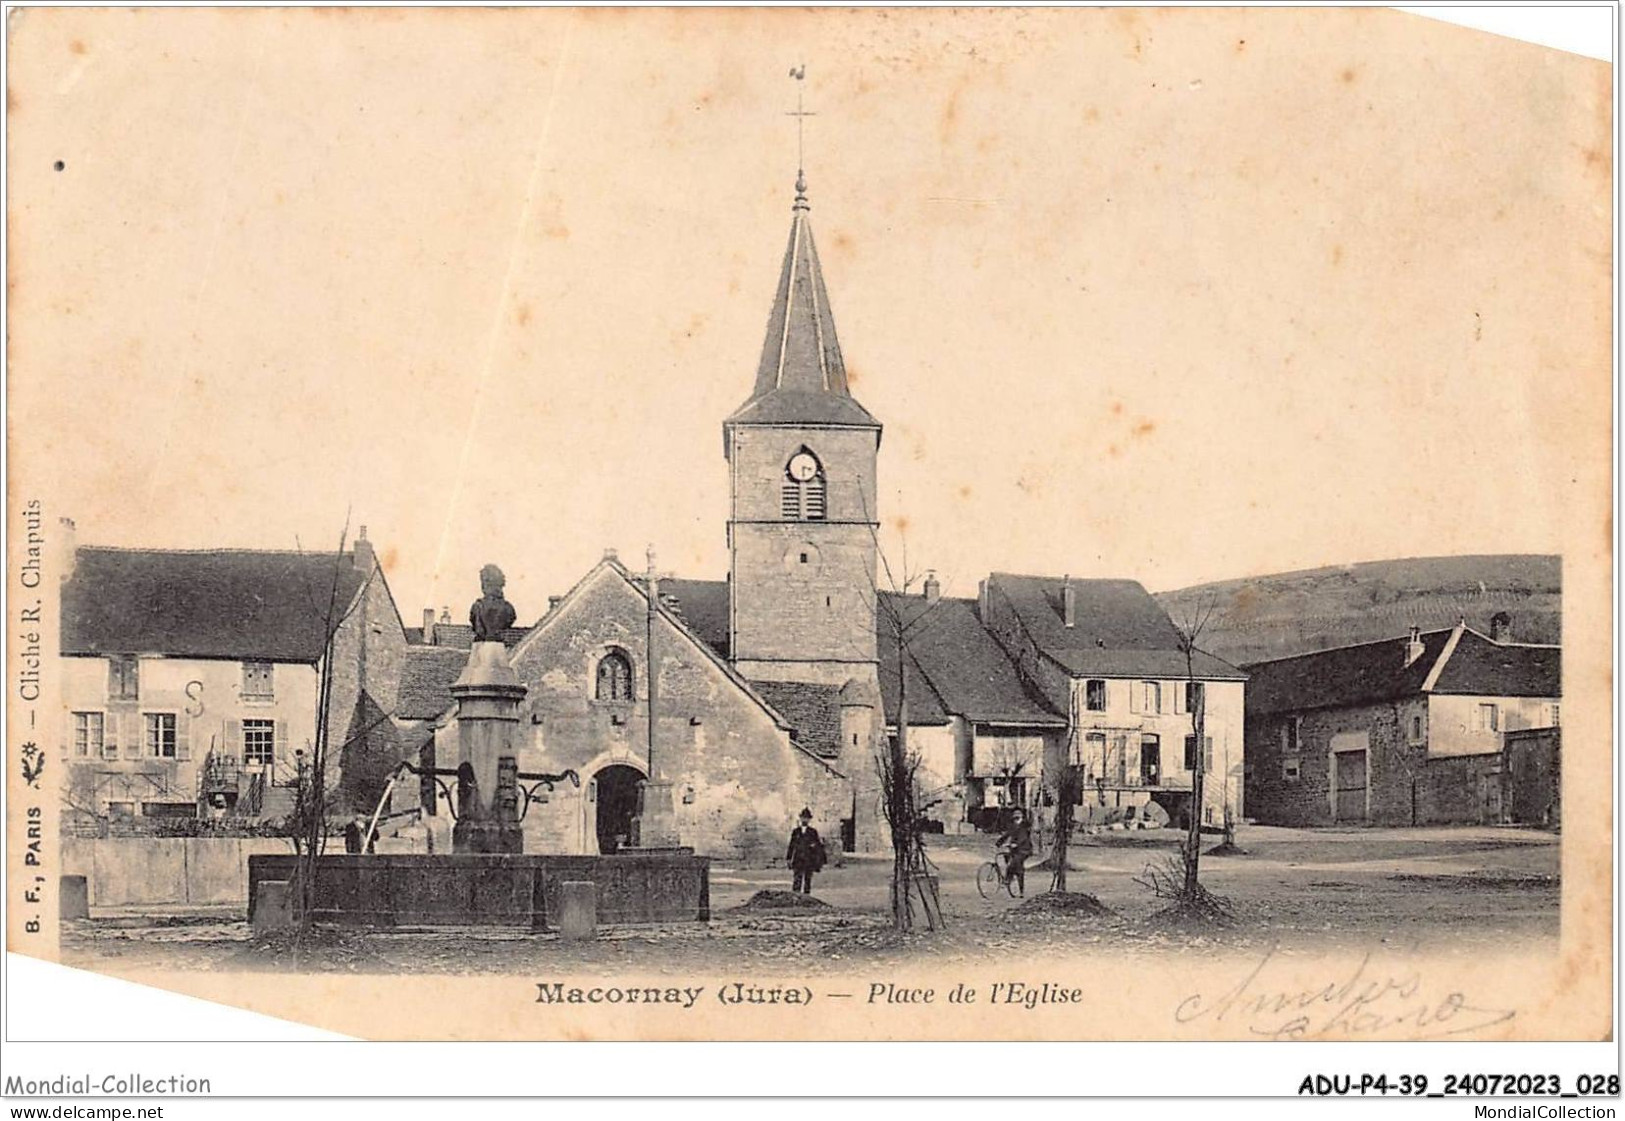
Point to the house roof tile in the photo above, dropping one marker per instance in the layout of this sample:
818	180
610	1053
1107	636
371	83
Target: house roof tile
957	666
1375	672
239	604
1119	629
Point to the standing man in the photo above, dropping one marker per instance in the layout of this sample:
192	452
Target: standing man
805	853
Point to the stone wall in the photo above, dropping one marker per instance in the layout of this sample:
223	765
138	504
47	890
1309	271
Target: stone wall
1395	766
1463	790
165	871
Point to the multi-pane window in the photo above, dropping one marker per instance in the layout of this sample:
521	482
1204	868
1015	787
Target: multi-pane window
123	678
1552	714
259	742
161	735
1190	753
1094	696
257	681
614	677
89	734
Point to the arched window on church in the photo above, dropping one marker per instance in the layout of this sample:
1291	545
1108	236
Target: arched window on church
804	497
614	677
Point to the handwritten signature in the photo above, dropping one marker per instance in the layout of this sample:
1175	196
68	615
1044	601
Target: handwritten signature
1368	1002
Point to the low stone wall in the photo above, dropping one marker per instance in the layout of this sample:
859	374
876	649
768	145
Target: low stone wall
386	890
165	871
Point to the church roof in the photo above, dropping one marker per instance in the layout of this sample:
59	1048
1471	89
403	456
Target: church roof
703	605
801	378
813	711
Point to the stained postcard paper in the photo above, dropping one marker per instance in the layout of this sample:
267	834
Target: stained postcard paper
885	524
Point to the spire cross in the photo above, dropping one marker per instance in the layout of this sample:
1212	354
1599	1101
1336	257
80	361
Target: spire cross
799	73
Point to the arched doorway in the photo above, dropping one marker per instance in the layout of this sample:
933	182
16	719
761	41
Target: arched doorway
617	788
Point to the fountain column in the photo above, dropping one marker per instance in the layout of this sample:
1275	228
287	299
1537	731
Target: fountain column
488	695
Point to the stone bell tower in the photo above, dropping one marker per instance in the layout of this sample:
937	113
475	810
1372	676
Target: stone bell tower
801	530
803	558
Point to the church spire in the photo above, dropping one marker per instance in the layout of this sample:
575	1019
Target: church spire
801	377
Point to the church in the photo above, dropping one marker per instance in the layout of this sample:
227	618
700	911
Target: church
741	701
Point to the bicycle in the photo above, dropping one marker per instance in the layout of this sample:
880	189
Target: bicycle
990	877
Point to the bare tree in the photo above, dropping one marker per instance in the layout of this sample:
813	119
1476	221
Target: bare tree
1200	615
898	767
1179	879
313	802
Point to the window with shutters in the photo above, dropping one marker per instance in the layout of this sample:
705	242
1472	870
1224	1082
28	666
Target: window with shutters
1190	753
89	735
1489	718
1150	696
614	677
123	678
1094	696
161	740
1094	755
259	742
258	681
1194	695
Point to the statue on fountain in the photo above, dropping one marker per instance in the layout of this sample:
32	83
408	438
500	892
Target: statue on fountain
491	614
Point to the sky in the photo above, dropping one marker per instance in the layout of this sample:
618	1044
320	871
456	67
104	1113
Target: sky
1172	295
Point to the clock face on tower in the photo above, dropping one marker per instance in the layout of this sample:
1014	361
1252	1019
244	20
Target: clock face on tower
803	467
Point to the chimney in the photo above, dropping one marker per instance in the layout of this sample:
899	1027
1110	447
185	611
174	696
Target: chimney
69	546
982	605
611	554
652	582
1069	603
1414	648
428	625
933	590
445	615
364	558
1501	627
553	602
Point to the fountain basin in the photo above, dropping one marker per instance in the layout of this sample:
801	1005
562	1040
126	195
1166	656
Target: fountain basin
422	889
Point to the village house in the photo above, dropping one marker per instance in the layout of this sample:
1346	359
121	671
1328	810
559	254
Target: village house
982	735
1420	729
1106	654
190	679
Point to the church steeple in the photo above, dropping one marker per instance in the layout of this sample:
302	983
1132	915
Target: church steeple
801	378
802	456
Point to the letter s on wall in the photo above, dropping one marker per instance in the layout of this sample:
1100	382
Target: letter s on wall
194	690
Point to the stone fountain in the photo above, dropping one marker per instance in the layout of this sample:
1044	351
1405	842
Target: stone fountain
488	878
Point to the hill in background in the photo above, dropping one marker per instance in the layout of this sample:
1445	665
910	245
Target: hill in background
1278	616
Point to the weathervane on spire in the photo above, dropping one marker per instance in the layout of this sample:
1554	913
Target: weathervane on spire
799	73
